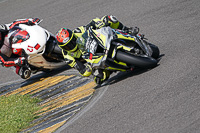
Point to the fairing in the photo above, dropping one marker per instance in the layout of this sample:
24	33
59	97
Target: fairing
35	44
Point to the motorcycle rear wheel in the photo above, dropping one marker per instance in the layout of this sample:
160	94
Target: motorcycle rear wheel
136	61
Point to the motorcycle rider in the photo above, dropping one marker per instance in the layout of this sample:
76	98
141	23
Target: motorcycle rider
8	56
67	41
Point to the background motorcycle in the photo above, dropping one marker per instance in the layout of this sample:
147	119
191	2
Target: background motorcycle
116	50
38	46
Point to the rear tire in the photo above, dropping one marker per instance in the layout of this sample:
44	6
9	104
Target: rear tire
136	61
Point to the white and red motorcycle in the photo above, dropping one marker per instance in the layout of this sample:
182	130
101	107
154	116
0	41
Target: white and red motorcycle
38	46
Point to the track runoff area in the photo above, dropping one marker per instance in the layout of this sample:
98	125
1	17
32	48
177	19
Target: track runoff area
63	96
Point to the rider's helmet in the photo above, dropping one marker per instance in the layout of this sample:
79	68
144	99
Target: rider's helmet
17	35
66	40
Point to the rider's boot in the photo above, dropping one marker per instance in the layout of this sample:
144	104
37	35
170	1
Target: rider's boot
24	72
102	76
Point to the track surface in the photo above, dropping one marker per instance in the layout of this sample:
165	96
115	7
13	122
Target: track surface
163	100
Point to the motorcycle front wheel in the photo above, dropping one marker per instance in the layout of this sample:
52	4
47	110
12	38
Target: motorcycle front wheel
156	51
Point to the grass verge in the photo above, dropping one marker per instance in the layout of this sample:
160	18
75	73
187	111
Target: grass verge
16	112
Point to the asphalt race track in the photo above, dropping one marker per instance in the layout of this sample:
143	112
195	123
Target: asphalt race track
163	100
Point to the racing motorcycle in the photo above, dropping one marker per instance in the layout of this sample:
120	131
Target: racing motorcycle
116	50
38	46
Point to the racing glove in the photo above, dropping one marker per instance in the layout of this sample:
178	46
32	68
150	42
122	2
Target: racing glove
96	24
133	30
108	20
113	22
34	21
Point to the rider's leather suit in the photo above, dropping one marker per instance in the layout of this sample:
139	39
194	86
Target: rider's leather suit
74	58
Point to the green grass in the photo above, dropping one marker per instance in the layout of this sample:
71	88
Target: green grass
16	112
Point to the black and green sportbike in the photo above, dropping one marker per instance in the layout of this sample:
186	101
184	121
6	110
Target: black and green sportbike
116	50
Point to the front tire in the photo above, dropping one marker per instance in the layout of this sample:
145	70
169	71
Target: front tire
136	61
156	51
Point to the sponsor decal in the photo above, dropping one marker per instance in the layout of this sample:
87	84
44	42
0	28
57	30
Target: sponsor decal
14	51
90	56
37	46
17	51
